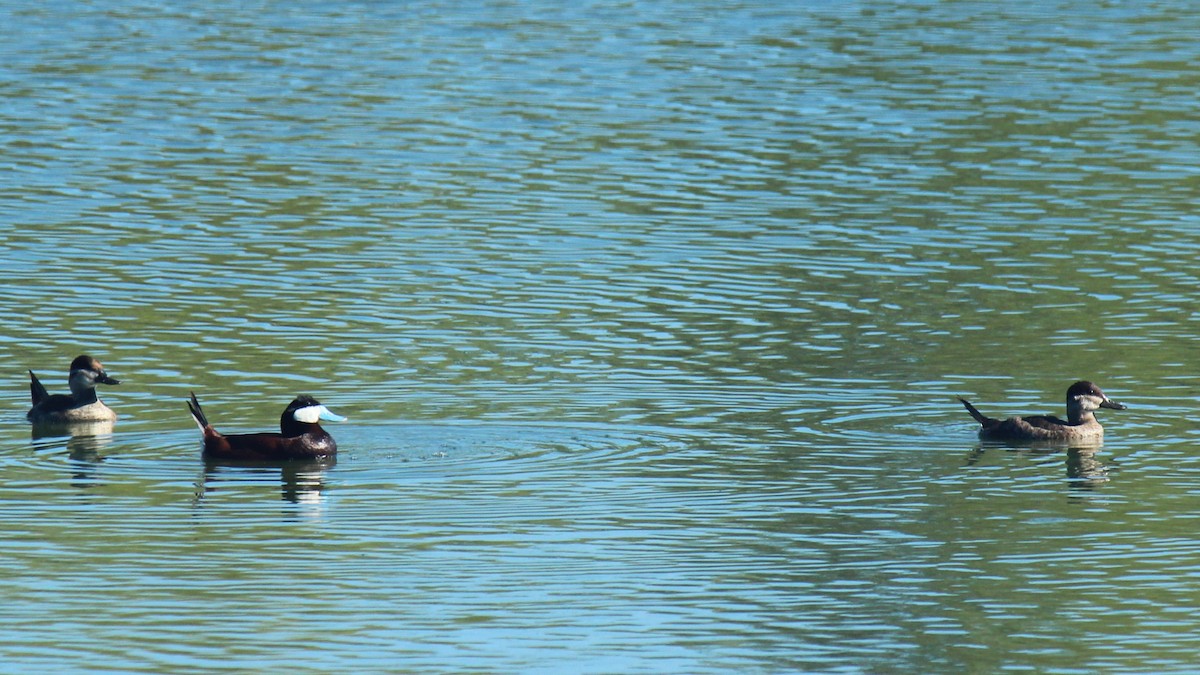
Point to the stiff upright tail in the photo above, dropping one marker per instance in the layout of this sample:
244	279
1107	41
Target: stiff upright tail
197	413
36	391
979	417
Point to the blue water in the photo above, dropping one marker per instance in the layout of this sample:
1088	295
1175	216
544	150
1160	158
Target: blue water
648	319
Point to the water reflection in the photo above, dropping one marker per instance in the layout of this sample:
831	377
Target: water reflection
1084	469
301	482
85	444
75	430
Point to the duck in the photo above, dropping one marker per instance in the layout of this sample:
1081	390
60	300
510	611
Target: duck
300	435
1083	399
82	405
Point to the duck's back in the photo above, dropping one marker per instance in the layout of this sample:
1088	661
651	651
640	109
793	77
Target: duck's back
267	446
1040	427
63	408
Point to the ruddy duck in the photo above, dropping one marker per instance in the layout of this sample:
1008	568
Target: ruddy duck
300	437
1082	399
82	405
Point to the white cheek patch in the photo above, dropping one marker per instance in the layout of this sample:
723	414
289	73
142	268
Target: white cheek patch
310	415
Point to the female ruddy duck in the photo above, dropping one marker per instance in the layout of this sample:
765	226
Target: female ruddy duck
300	437
82	405
1082	399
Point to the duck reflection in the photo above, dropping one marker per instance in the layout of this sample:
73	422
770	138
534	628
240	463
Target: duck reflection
301	481
1084	469
85	443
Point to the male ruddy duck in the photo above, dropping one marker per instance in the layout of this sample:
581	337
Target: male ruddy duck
300	437
1082	399
82	405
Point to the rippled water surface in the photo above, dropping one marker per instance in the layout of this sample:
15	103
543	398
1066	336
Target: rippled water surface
648	318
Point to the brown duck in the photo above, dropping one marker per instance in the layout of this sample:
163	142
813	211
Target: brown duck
1083	399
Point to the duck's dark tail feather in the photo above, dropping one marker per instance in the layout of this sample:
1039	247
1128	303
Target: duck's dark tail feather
197	413
979	417
36	391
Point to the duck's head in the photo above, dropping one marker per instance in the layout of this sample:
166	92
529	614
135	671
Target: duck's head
1085	397
305	410
86	373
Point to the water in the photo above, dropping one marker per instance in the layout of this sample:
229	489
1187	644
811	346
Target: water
648	319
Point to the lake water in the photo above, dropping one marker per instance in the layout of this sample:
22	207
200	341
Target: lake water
648	318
